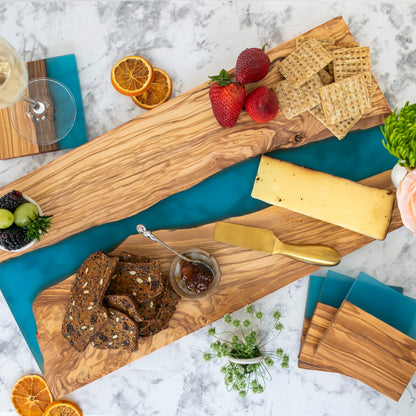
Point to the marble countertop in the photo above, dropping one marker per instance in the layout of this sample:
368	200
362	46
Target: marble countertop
192	40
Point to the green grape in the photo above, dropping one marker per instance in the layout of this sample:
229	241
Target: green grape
6	218
25	213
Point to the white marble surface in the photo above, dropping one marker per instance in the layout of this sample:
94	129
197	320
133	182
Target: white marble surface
192	40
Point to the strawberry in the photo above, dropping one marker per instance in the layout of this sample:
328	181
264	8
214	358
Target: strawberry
262	105
252	65
227	98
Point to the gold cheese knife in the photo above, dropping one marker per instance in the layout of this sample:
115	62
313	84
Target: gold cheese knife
263	240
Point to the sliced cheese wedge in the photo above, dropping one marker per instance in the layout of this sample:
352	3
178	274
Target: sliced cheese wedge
325	197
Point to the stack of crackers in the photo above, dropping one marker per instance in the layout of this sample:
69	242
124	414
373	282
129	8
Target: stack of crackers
116	301
333	82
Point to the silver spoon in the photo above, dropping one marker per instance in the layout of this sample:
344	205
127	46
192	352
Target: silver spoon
141	229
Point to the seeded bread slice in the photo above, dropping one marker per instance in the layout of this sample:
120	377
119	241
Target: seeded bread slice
132	258
92	280
139	280
165	305
119	332
81	324
125	304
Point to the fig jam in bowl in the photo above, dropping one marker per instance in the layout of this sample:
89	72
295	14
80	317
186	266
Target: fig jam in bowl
194	280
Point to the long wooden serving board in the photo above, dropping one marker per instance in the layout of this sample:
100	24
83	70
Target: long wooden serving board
164	151
245	277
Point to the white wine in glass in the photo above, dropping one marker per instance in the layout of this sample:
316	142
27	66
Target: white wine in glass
13	75
43	115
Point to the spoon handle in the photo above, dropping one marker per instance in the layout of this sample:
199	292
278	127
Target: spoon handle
141	229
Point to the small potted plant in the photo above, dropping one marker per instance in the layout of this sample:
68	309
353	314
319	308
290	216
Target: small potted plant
245	349
399	133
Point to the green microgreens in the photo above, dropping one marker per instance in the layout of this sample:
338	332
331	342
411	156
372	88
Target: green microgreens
243	378
399	133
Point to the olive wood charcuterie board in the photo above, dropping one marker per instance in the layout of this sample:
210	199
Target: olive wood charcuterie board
246	276
167	150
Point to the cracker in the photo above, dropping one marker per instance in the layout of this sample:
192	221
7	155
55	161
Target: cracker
293	102
339	129
348	98
124	256
351	61
301	65
325	41
124	304
326	77
343	45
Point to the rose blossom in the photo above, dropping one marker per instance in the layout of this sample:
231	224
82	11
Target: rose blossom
406	200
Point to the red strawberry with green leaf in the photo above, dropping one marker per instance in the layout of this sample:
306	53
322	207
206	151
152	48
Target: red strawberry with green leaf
252	65
262	105
227	98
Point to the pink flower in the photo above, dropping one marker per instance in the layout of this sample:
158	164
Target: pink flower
406	200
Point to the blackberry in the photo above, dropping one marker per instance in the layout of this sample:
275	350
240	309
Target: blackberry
13	238
11	200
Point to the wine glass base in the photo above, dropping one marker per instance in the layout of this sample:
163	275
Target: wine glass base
47	115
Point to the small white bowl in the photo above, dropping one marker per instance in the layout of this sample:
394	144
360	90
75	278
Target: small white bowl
26	199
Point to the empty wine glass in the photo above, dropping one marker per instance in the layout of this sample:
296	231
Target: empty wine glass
42	110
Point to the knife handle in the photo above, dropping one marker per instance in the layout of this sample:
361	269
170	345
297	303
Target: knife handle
310	253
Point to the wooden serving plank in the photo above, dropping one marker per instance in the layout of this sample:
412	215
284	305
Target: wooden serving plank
246	276
359	345
164	151
319	323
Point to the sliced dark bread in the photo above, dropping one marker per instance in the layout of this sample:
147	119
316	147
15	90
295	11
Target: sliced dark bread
125	304
81	324
132	258
139	280
119	332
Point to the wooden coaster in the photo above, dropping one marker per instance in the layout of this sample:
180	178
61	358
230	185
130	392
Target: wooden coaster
11	144
321	319
361	346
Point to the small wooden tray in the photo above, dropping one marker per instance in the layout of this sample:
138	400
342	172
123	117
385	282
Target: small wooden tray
361	346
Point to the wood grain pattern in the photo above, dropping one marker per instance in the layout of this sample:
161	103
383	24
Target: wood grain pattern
246	276
11	144
164	151
319	323
361	346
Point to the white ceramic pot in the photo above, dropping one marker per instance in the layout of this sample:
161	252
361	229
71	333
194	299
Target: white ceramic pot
254	360
397	174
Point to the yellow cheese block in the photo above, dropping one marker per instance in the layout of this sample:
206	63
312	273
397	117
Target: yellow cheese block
325	197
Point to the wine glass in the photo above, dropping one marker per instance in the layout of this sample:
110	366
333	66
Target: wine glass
42	110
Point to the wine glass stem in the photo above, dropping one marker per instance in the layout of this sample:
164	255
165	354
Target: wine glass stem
34	104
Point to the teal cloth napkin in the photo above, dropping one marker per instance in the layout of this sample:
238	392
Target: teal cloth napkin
64	69
223	195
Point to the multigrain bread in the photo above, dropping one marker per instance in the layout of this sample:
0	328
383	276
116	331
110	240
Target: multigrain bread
119	332
139	280
125	304
81	324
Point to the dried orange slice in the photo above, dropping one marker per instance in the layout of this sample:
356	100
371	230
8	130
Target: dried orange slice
158	92
31	396
132	75
62	408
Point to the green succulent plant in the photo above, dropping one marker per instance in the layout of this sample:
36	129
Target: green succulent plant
250	343
399	133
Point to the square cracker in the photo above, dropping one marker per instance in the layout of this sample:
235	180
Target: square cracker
325	41
339	129
300	66
351	61
348	98
293	102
